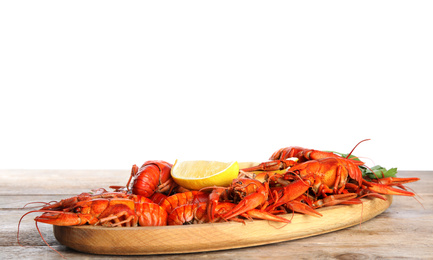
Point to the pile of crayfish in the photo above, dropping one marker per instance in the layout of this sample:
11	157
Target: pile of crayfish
307	179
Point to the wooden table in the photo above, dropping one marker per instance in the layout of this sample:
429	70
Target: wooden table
405	230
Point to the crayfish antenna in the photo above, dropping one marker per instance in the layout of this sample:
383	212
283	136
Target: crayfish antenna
36	202
347	157
282	226
362	215
36	223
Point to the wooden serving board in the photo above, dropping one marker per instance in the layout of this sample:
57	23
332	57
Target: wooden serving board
215	236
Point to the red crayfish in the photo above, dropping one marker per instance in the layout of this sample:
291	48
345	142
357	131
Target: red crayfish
152	176
104	208
323	174
307	179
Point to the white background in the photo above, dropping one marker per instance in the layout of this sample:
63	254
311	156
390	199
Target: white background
108	84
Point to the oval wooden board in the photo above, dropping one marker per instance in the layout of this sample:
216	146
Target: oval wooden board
214	236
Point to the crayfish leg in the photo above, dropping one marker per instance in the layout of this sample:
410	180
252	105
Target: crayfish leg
300	207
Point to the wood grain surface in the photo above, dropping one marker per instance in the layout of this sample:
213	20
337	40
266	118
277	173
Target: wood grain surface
403	231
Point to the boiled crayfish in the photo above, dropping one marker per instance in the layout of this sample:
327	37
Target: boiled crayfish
316	175
307	179
152	176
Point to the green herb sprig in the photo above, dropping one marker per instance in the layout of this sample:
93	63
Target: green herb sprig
378	171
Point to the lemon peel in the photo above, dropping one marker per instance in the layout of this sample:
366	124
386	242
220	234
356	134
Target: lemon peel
195	175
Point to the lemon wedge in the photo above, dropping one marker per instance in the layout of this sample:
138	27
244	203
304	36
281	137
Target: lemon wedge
195	175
